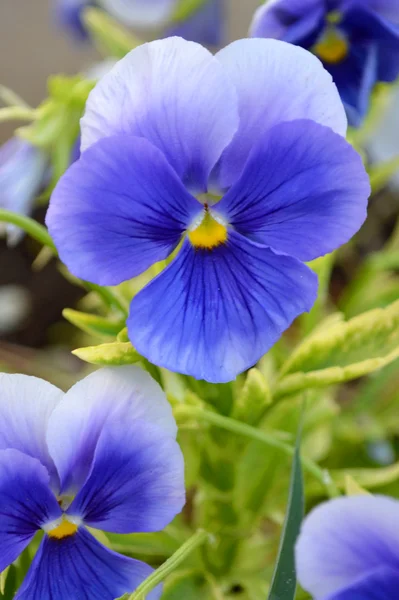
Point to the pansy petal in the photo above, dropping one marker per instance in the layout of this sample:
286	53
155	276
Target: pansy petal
276	82
26	404
345	539
207	25
68	14
382	584
118	210
79	567
76	424
355	78
136	483
175	94
213	314
26	503
290	20
140	13
303	191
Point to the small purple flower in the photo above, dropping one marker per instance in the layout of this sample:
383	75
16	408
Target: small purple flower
205	25
357	41
237	161
103	455
348	549
23	170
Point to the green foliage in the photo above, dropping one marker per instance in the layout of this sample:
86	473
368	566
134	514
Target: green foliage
343	351
93	324
111	38
113	354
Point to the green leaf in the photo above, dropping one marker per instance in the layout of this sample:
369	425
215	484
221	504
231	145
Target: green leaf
3	580
283	585
187	585
382	173
253	399
117	353
343	352
93	324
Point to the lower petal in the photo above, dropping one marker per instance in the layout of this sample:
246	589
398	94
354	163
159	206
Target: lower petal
345	539
26	503
80	567
382	584
136	483
214	313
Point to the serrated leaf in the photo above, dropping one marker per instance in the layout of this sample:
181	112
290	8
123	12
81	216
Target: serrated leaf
253	399
117	353
93	324
343	352
283	585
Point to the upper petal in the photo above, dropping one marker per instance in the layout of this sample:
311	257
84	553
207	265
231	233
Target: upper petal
382	584
80	568
173	93
118	210
26	405
275	82
206	25
76	425
213	313
303	191
289	20
136	483
26	503
344	540
140	13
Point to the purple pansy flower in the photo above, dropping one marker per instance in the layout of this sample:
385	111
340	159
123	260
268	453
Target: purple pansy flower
103	455
357	40
23	169
205	25
238	162
348	549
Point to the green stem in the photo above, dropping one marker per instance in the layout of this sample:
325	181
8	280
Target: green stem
30	226
17	113
246	430
170	565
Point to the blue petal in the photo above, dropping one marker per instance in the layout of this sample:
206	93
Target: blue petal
26	503
207	25
26	406
303	191
136	483
383	584
90	406
368	27
80	568
356	77
344	540
173	93
22	172
213	314
68	14
275	82
119	209
294	21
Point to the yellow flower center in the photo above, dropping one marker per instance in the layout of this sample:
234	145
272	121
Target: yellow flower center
209	233
63	530
333	47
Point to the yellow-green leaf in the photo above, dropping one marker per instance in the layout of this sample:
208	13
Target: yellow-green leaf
344	351
93	324
253	399
3	579
117	353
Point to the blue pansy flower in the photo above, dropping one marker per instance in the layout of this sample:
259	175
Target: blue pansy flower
357	40
206	24
236	162
23	169
348	549
103	456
